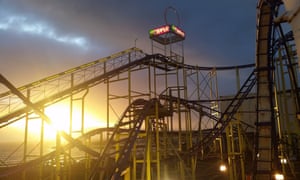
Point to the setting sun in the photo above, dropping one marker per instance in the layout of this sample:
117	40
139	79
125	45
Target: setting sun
60	120
60	114
60	117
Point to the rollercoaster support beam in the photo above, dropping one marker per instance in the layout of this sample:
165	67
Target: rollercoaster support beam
188	126
87	143
42	133
235	143
27	102
291	72
81	101
200	119
235	150
179	114
292	16
287	124
26	140
157	138
283	97
69	169
58	172
148	149
266	158
129	96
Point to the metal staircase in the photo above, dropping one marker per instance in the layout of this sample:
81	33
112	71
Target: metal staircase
122	140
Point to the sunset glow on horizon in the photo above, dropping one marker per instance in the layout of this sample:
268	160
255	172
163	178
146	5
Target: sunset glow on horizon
60	117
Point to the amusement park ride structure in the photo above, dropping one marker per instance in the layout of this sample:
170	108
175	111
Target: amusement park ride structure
173	123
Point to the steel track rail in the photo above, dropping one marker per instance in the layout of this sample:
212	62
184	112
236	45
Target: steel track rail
12	109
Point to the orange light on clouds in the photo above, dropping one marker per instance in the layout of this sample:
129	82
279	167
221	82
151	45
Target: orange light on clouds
59	115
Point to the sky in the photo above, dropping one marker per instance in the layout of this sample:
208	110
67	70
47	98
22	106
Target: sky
41	38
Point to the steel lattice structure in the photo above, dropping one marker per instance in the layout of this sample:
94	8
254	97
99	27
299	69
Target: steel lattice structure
171	122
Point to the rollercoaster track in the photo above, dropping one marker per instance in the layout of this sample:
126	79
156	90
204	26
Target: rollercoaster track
43	116
174	63
226	116
104	60
141	109
27	165
266	158
51	155
136	113
78	79
197	106
155	60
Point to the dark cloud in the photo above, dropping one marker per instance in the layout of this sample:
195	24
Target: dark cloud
218	33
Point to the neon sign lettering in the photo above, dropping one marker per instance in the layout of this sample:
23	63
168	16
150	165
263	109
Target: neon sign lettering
177	31
160	30
166	29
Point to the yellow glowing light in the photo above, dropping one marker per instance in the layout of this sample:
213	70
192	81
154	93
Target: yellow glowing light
283	161
60	119
223	168
59	114
279	176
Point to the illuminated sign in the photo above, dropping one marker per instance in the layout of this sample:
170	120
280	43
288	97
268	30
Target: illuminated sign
160	30
167	34
177	31
166	29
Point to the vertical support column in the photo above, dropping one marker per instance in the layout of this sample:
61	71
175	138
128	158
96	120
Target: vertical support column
230	149
238	81
279	128
41	168
235	151
107	103
117	147
214	94
283	96
57	157
179	112
188	127
87	142
88	161
200	116
157	141
168	43
134	163
149	81
25	138
266	146
288	125
67	162
148	149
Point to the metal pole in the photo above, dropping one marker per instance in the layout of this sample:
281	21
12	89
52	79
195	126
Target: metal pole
25	140
148	151
42	147
57	157
157	142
